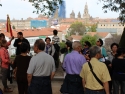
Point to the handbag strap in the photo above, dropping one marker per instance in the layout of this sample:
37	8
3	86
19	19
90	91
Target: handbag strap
91	69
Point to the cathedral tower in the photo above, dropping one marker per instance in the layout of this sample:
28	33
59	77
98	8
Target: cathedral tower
86	15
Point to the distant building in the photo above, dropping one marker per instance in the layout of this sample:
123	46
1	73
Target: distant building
86	15
38	23
112	27
62	10
72	15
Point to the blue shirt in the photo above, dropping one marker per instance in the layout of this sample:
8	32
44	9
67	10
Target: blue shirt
73	62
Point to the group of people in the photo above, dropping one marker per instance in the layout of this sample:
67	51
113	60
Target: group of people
93	70
34	72
89	69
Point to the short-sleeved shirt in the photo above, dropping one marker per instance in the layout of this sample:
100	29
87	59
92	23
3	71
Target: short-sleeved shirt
41	64
56	39
99	69
73	62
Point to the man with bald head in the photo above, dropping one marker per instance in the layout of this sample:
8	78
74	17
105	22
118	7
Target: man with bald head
72	64
41	70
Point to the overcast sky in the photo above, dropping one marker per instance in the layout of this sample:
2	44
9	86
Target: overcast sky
22	9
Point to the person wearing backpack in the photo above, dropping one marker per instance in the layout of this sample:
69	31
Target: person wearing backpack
49	48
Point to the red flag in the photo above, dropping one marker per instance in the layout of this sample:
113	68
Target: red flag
9	29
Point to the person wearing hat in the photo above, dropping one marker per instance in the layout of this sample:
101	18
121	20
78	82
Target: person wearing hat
103	50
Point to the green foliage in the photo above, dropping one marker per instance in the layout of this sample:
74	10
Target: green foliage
92	28
122	40
77	28
45	7
62	45
115	6
91	39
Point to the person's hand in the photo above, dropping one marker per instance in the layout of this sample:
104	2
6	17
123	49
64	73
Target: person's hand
110	65
12	38
20	43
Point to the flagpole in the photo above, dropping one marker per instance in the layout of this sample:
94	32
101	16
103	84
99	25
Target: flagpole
9	29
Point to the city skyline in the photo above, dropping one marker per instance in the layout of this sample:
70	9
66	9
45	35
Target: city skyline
23	9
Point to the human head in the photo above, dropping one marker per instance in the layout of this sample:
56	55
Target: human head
95	51
87	44
114	47
48	40
120	52
19	35
2	36
77	46
69	44
24	47
39	46
99	42
55	32
4	43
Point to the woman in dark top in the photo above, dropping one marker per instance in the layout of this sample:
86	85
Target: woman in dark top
21	64
118	66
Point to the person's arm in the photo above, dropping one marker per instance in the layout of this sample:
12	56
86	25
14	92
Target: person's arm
9	42
106	87
29	78
3	58
64	63
16	43
105	78
53	51
28	44
83	83
30	70
53	69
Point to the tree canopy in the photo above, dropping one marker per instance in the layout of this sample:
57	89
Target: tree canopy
92	28
115	6
77	28
46	7
91	39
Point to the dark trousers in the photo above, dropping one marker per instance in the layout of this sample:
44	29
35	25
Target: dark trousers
117	85
4	73
88	91
22	86
110	87
72	85
40	85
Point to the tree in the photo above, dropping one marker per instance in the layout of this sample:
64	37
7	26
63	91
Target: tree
92	28
122	40
46	7
77	28
91	39
115	6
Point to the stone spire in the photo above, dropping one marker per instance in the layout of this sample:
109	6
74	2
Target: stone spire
72	15
86	13
79	15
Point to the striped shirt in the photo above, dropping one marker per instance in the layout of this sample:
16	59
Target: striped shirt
56	39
